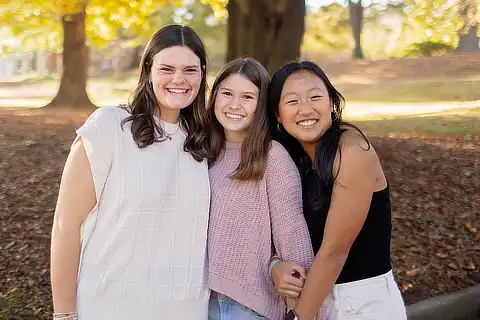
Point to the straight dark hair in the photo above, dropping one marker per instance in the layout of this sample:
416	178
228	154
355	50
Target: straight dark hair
143	105
327	145
255	147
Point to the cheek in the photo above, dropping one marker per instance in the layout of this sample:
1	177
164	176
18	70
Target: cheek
251	107
286	116
159	81
195	82
218	106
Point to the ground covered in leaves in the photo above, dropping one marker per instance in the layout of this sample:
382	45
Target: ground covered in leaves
435	194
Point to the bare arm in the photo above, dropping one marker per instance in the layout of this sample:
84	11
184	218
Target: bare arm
75	201
351	197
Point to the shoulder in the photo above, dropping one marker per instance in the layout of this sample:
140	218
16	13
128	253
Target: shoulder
106	119
356	151
277	152
107	115
279	160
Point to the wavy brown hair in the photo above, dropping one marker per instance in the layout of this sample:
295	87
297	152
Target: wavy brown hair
254	152
143	103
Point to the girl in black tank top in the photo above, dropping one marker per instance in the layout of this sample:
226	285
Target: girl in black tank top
346	203
369	255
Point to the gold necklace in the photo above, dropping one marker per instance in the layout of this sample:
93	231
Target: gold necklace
169	135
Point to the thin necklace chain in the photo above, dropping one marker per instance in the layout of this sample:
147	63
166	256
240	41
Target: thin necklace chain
169	135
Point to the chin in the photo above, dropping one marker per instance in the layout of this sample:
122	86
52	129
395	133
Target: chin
307	138
178	106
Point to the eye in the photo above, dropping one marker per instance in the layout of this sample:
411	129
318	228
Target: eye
291	101
247	97
226	93
165	69
316	97
191	70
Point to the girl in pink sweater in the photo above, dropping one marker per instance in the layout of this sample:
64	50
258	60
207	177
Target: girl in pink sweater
256	200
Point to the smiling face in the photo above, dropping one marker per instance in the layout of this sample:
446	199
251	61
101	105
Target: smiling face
305	109
235	104
176	77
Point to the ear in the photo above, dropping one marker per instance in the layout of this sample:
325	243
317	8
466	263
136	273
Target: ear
277	116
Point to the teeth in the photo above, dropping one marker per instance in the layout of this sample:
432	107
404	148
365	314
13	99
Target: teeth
233	116
177	90
307	123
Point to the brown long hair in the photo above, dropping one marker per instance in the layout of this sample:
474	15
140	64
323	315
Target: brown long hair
143	103
256	144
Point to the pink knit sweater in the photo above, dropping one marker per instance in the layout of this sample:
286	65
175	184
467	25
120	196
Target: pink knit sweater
248	221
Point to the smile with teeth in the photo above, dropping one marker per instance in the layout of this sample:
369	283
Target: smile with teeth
177	91
307	123
233	116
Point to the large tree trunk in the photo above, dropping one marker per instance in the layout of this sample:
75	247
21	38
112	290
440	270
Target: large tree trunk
269	31
468	39
73	85
136	57
356	22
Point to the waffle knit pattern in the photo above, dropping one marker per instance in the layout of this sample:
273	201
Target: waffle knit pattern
249	222
143	253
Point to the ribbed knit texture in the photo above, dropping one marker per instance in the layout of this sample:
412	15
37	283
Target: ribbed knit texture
143	253
248	222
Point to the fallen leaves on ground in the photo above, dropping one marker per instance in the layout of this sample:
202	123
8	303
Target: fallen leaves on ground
434	187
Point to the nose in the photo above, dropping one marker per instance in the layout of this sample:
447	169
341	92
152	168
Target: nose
178	77
236	105
305	109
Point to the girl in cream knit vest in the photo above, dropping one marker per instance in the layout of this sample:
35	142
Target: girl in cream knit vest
130	227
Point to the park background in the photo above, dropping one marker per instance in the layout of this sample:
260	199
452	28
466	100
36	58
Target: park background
410	71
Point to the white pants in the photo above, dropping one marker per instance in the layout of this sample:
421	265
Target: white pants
376	298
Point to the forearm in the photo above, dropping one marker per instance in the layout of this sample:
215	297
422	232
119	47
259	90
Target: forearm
65	257
320	279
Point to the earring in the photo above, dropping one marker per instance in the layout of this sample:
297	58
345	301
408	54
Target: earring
279	127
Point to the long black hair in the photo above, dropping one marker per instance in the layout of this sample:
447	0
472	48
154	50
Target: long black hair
144	106
327	145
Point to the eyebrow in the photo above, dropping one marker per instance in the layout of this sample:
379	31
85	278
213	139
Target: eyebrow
248	92
294	93
185	67
314	88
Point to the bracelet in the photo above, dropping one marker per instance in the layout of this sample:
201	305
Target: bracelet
65	316
272	264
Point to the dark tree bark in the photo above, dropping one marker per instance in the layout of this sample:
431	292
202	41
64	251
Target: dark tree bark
73	85
136	57
269	31
356	22
468	39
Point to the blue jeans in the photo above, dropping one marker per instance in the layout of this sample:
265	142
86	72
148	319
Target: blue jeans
222	307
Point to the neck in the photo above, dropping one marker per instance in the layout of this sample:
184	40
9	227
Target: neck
169	115
236	137
310	149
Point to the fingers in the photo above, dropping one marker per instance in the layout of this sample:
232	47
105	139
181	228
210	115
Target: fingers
298	269
291	281
289	287
288	294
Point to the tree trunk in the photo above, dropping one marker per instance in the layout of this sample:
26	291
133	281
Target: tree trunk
269	31
356	22
468	39
469	42
136	58
73	85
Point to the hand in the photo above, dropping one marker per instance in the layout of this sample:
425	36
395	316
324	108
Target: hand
288	278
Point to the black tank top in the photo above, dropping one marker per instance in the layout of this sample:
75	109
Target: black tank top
369	255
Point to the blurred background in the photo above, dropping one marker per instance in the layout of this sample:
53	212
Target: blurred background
410	71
